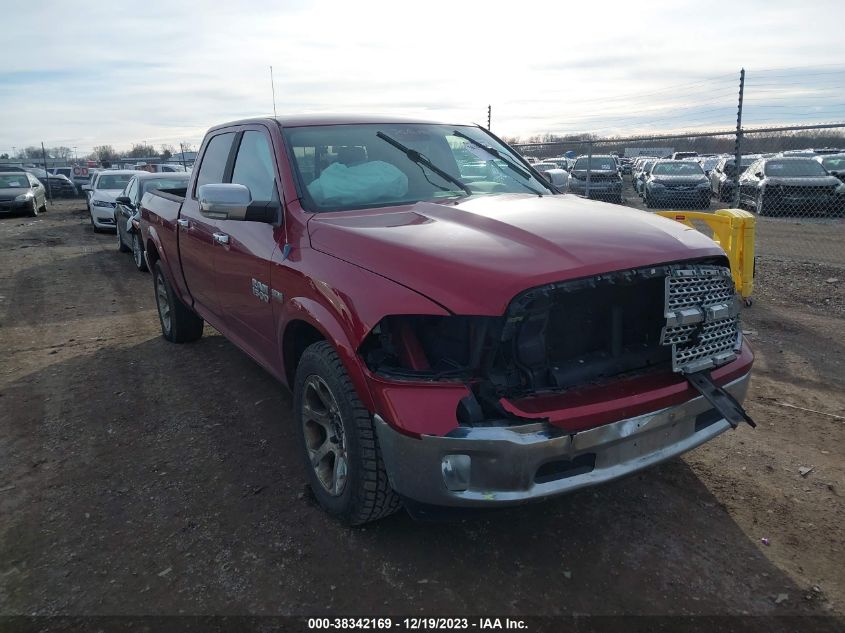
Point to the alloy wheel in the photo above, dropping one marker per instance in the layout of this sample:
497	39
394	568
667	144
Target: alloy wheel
163	301
137	252
325	439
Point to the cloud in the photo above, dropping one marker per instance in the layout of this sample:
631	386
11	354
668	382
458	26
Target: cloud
163	74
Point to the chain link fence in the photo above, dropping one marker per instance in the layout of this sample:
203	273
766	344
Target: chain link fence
792	178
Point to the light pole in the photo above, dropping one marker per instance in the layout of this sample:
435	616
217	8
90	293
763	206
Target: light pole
75	157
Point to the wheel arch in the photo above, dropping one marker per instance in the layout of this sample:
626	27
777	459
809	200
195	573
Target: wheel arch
309	322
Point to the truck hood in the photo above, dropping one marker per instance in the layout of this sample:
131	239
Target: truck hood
474	256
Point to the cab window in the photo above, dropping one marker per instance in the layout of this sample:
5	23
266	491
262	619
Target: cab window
214	160
254	166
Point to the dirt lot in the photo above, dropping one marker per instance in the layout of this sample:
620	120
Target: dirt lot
139	477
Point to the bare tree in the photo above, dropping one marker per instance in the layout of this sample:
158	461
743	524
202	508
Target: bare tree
141	150
104	153
62	152
166	151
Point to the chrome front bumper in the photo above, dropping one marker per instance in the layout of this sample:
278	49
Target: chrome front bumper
498	466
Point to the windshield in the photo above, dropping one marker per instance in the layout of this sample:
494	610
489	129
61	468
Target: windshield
604	163
113	181
834	162
790	168
677	168
164	183
14	181
343	167
544	167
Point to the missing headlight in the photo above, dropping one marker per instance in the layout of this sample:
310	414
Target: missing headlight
430	347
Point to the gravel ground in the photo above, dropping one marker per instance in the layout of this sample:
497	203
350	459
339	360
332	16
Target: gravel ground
138	477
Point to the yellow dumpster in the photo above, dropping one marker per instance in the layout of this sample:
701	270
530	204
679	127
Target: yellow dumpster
733	230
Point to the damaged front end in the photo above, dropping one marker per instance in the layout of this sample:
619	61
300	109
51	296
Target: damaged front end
571	342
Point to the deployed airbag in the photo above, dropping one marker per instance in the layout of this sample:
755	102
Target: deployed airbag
359	184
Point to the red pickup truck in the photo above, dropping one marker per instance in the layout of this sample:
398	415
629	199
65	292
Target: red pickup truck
455	332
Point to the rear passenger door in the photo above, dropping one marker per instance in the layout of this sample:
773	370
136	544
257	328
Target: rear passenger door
243	263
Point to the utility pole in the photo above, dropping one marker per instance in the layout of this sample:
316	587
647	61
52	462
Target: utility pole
738	144
47	177
489	114
182	154
273	88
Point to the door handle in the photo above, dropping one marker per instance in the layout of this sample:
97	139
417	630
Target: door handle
221	238
183	223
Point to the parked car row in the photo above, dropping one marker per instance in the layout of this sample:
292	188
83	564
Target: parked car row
127	210
21	192
55	185
789	184
605	178
432	301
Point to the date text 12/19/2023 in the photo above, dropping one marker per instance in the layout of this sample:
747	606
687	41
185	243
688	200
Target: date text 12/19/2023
416	624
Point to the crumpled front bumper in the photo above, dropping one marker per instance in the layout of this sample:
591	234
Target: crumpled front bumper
499	466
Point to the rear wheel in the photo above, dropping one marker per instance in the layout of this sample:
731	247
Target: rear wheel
138	253
342	455
179	324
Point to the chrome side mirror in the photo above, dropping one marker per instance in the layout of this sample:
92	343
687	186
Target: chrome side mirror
224	201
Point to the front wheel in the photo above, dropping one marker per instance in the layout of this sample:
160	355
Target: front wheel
138	253
121	247
179	324
33	211
342	456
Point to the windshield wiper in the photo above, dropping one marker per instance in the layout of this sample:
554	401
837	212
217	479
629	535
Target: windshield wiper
497	154
420	159
493	152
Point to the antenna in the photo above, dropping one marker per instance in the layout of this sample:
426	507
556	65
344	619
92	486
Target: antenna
273	88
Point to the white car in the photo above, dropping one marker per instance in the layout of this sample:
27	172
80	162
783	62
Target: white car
105	186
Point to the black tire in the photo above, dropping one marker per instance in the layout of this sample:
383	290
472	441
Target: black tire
121	247
43	208
366	494
138	253
179	324
647	201
33	211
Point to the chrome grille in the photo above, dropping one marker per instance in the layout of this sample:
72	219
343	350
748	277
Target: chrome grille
702	317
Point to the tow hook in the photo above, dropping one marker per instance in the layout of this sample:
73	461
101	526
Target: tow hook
721	400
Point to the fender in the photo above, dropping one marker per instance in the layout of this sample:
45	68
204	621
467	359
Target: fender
155	240
327	323
318	295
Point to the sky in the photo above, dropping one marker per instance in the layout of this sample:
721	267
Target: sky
92	73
